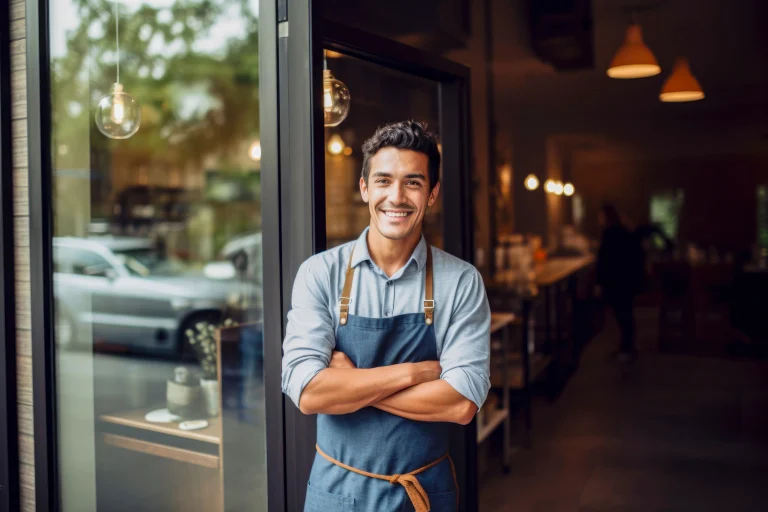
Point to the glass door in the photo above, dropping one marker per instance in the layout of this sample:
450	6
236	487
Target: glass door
156	180
387	81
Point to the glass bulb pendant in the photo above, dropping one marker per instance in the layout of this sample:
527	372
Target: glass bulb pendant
336	100
118	115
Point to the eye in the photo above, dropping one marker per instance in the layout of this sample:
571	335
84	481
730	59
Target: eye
381	180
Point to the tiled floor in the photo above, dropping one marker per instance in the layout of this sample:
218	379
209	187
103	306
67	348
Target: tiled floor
674	434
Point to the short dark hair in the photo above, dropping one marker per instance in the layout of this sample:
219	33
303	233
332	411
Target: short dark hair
411	135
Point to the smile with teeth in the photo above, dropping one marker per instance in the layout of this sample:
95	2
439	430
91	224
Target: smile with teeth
396	214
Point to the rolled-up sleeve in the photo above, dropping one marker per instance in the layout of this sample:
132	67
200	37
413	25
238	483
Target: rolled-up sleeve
309	338
465	357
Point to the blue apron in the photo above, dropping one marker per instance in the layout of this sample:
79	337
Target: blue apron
380	444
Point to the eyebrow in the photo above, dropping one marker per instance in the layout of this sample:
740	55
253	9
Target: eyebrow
383	174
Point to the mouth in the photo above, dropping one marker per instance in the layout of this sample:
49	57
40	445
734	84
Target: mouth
396	214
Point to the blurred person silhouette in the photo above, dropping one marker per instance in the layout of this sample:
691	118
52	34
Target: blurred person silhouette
620	275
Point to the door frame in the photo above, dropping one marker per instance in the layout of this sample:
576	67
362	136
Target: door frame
303	36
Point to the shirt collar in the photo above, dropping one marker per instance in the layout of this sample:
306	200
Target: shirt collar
361	251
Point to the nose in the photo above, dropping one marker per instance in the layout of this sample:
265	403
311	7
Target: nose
397	194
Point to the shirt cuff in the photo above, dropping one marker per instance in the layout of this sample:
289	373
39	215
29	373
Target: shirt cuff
300	377
470	385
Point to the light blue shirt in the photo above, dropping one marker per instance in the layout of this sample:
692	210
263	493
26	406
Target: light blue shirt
462	316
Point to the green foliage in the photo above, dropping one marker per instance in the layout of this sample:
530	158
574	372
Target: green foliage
197	99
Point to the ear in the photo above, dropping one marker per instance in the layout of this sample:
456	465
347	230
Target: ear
433	195
363	189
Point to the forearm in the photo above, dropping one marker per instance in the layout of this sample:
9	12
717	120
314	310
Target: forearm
435	401
346	390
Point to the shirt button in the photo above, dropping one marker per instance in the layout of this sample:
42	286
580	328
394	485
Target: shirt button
389	283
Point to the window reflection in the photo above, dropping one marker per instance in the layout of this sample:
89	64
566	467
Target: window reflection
379	95
157	258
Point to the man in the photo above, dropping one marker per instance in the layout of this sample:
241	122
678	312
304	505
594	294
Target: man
388	342
619	275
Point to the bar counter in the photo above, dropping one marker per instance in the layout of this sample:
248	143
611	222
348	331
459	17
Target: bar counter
556	321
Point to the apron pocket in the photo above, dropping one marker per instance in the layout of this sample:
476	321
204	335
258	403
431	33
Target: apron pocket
321	501
443	502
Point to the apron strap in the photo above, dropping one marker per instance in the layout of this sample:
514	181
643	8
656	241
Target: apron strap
346	293
429	303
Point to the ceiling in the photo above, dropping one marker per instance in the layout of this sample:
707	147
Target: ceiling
724	45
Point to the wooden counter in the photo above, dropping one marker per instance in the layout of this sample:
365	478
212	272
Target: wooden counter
557	269
135	419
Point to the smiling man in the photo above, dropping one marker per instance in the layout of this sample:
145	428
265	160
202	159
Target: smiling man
388	342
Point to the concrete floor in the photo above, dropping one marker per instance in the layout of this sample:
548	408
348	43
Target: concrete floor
674	433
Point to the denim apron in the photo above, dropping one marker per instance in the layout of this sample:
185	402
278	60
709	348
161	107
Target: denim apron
370	460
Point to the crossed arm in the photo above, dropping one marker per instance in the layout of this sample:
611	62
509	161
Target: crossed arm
410	390
321	381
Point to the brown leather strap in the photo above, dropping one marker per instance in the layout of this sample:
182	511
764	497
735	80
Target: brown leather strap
429	303
410	483
346	292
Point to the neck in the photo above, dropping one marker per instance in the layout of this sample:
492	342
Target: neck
391	255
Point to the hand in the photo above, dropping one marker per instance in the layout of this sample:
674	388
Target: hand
340	360
427	371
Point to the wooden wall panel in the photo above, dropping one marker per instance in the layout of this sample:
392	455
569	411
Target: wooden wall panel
21	253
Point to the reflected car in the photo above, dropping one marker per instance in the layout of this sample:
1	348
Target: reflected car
244	252
119	290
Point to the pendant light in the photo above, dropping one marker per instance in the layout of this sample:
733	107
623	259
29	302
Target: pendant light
633	59
681	85
118	114
336	98
569	189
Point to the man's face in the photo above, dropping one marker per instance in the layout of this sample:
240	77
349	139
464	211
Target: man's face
397	191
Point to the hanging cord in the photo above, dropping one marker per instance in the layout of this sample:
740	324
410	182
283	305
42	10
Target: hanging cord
117	36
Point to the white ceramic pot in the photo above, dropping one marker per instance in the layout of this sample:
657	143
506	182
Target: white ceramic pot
211	396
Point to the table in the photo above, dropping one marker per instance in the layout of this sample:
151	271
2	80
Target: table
501	324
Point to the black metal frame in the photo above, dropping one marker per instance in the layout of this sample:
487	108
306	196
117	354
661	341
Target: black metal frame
302	196
271	252
9	432
40	247
303	171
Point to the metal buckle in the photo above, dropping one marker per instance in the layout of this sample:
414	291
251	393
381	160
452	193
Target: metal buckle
342	299
431	306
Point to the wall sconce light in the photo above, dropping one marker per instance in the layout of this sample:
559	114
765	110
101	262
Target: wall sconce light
531	182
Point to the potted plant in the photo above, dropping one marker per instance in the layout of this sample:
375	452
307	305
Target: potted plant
202	339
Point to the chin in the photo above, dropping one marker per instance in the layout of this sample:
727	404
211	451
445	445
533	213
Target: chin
394	234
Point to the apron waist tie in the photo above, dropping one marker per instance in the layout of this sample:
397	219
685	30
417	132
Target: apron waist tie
416	492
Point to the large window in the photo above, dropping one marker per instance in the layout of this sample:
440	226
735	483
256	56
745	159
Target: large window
666	208
157	255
